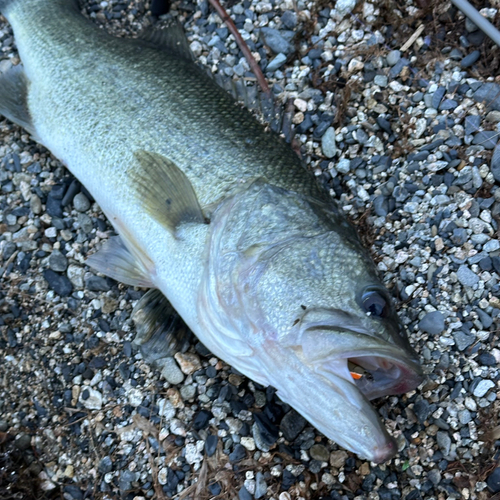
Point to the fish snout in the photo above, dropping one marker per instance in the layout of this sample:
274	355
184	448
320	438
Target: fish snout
385	452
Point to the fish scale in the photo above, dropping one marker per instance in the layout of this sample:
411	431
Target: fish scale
216	216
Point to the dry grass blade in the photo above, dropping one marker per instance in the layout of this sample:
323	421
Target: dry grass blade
146	426
201	484
154	472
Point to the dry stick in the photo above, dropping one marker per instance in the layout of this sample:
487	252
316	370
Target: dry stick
242	45
413	38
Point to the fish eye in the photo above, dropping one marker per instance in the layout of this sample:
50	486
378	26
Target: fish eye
375	304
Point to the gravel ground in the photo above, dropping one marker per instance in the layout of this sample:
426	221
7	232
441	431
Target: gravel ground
404	138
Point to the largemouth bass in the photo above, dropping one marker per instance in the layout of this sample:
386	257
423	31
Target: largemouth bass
214	214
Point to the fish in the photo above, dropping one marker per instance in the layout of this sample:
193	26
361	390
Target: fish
216	216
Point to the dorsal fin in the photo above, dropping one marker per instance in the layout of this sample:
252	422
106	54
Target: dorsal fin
165	192
172	38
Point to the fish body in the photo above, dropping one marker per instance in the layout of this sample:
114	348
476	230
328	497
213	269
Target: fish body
215	213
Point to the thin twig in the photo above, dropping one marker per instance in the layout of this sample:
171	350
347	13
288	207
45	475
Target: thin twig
413	38
242	45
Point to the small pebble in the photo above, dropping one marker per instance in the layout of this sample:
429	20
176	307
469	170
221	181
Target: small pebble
81	202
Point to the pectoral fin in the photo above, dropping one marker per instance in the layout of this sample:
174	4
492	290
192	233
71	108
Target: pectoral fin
160	330
115	261
165	191
14	98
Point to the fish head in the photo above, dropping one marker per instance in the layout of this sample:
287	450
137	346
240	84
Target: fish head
305	302
338	322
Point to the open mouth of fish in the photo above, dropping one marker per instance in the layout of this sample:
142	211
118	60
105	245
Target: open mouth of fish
376	375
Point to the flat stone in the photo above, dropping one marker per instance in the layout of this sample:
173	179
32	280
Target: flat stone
444	442
467	277
483	387
437	97
238	454
171	371
96	284
211	445
319	452
486	138
275	41
472	124
489	94
58	282
58	262
470	59
493	481
276	63
495	163
328	144
260	485
463	340
432	323
292	424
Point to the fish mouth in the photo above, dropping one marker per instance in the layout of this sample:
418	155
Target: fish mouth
374	366
376	375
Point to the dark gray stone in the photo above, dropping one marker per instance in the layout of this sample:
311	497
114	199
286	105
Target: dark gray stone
292	425
211	445
81	202
495	163
58	262
432	323
437	97
238	454
289	19
23	442
489	94
72	191
486	138
422	409
260	485
105	465
274	39
472	123
58	282
96	284
470	59
243	494
463	340
398	67
493	481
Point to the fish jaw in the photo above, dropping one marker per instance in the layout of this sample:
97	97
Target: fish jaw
330	402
